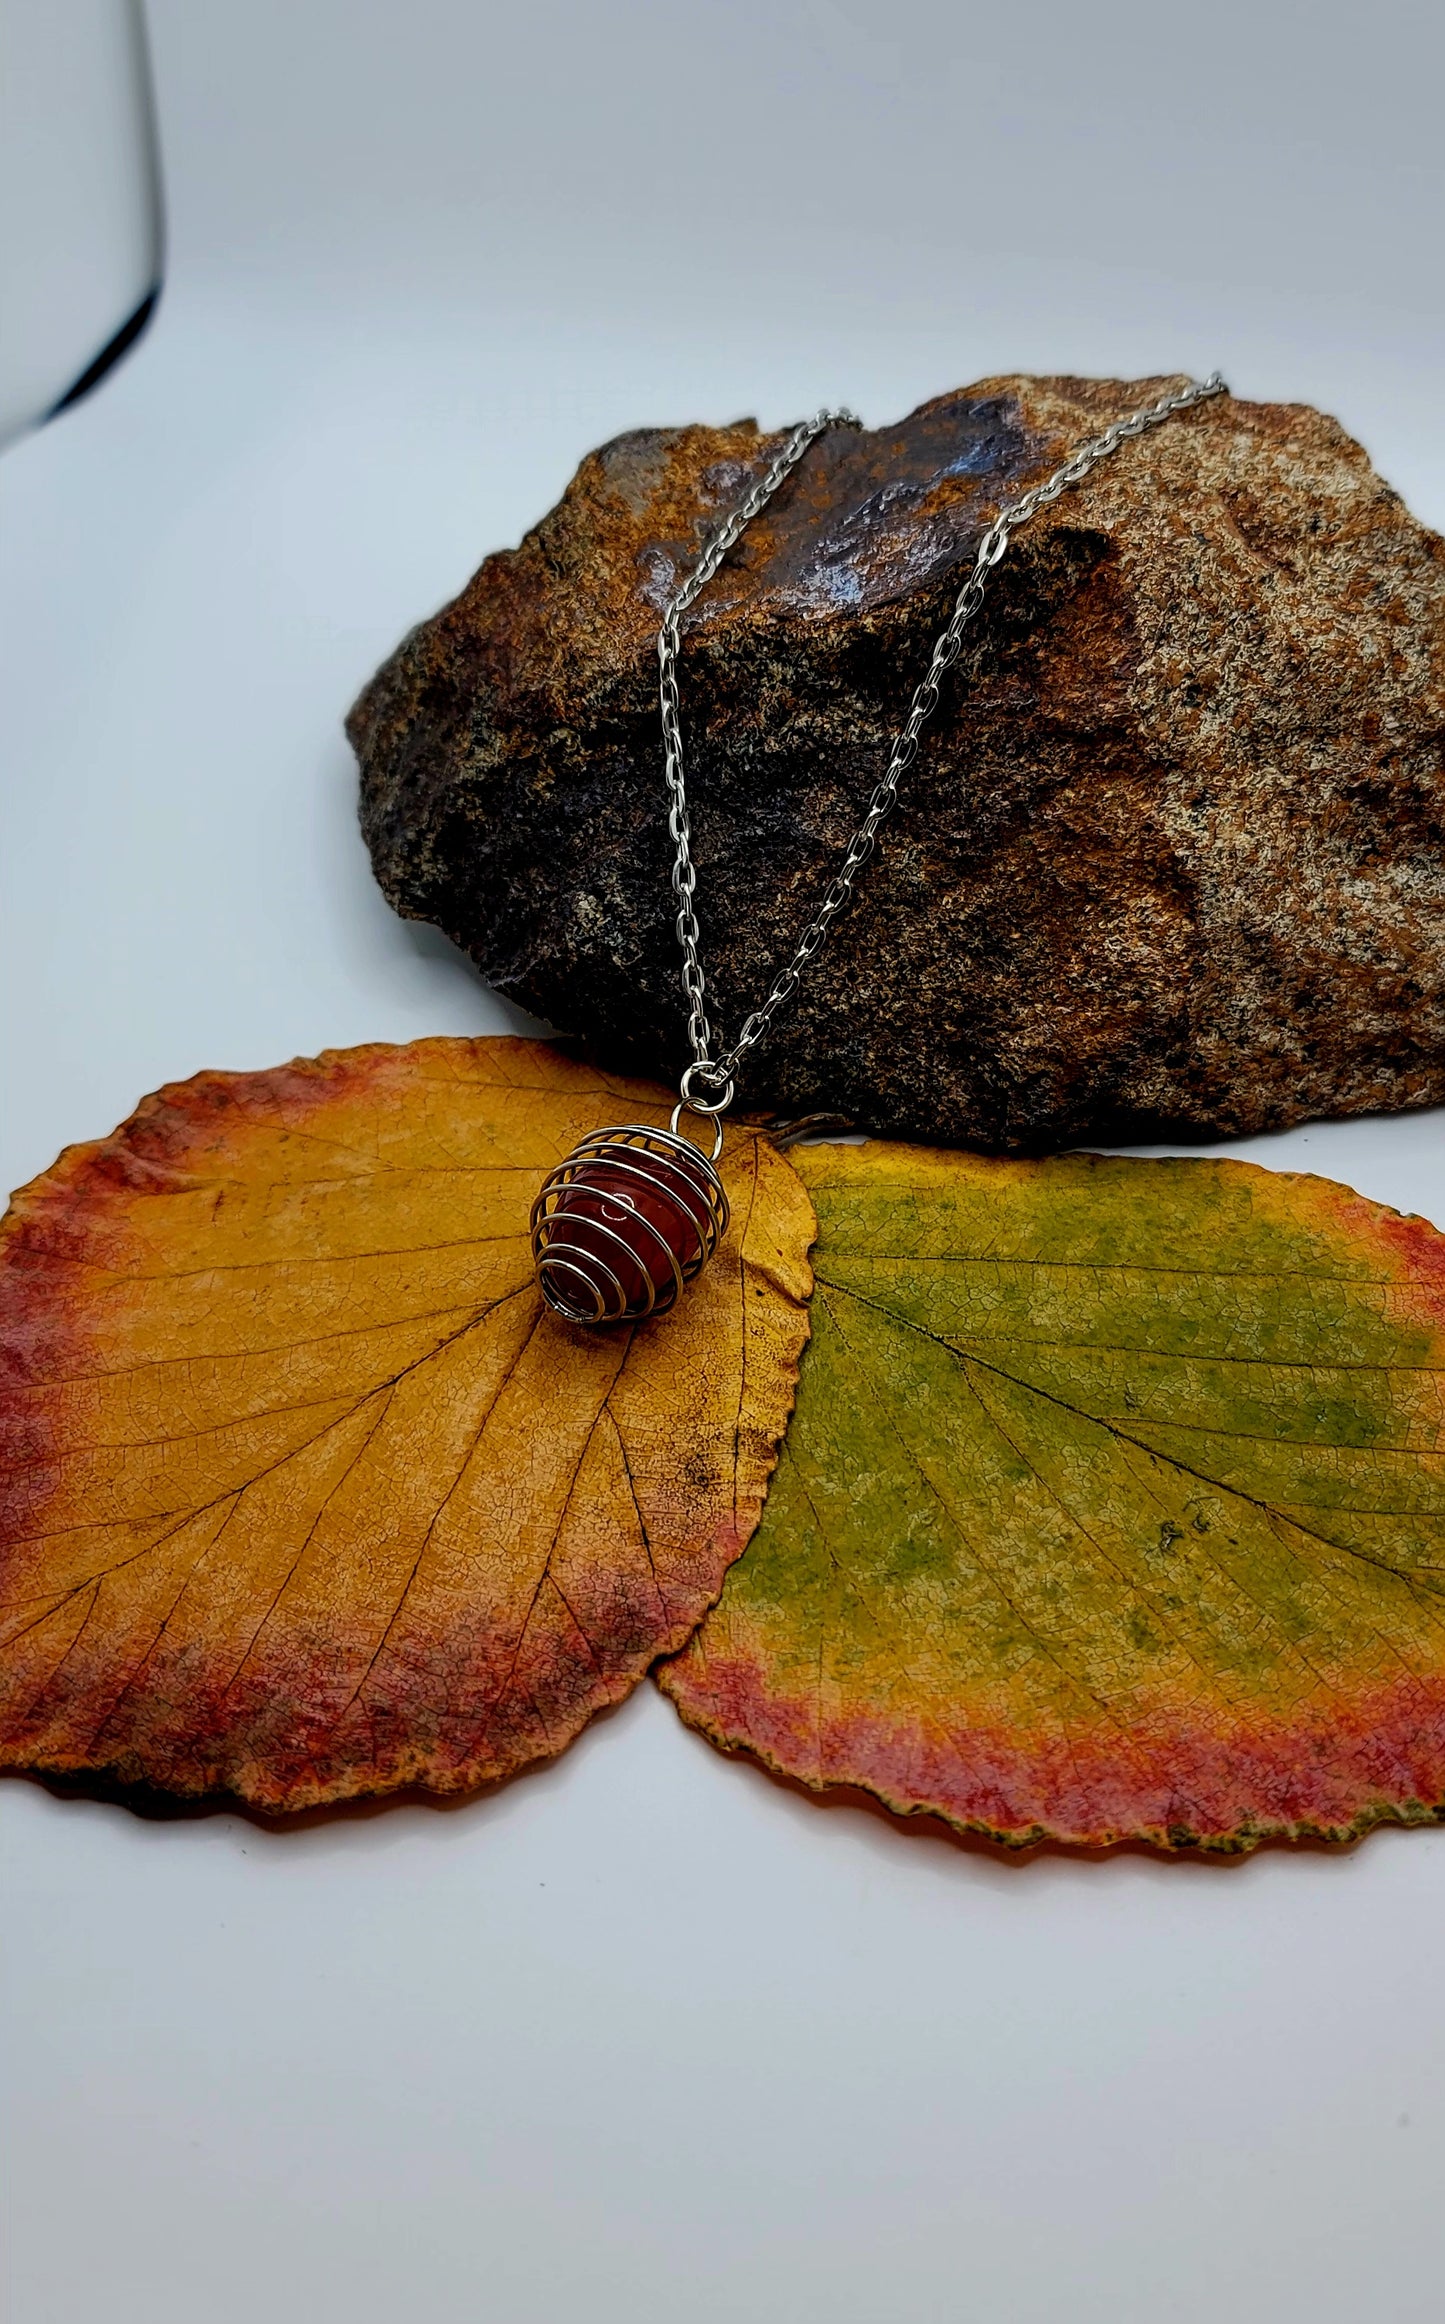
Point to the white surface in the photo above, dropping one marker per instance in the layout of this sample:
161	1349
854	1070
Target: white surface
646	2037
80	224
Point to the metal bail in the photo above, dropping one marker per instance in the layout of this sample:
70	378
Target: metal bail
711	1108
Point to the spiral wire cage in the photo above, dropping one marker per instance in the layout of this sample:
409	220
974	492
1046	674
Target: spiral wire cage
625	1224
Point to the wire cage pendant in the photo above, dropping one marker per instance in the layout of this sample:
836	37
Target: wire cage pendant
622	1227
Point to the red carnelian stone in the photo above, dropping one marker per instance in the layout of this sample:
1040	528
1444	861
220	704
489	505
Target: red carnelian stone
603	1195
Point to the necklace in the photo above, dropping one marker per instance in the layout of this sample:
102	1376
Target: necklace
634	1213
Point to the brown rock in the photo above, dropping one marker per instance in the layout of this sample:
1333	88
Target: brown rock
1171	859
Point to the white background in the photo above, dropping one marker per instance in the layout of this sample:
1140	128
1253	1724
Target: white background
647	2036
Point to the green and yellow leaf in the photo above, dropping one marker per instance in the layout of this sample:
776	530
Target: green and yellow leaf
1112	1508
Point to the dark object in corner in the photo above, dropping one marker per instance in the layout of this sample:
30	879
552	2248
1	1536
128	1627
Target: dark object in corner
117	346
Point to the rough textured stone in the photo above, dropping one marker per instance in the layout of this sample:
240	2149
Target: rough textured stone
1172	858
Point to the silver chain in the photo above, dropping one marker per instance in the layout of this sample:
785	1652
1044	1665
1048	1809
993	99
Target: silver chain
717	1076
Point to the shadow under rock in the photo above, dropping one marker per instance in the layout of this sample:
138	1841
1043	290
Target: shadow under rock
430	944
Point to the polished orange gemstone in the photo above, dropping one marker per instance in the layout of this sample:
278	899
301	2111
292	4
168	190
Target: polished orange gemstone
634	1212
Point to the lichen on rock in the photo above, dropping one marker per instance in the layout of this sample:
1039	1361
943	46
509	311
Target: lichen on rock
1171	859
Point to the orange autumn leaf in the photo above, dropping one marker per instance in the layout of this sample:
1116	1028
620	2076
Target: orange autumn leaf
1112	1508
305	1494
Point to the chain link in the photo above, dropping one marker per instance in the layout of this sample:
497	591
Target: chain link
718	1075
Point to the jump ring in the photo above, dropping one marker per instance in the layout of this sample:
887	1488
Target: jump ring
709	1074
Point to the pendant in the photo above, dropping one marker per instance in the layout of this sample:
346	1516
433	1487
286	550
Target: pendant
622	1227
